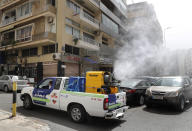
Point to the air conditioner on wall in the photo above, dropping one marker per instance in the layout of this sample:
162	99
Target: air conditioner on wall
57	56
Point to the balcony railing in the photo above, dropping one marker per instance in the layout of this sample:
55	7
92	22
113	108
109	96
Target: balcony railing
44	35
33	38
90	41
88	17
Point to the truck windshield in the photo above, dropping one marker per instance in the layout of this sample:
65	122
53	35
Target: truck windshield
173	82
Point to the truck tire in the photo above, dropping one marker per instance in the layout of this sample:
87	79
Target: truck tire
6	89
77	113
27	102
181	104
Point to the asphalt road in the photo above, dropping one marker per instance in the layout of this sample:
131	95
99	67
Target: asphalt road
136	119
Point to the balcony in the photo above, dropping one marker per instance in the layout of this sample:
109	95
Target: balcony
89	20
46	10
7	3
87	43
45	37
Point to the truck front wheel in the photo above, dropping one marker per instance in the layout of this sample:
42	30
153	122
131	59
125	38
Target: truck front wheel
77	113
27	102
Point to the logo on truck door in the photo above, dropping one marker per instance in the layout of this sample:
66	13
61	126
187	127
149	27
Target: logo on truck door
42	90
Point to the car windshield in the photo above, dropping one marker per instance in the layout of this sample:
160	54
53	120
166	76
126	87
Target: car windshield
174	82
129	83
17	78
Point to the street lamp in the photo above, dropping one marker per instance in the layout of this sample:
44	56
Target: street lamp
164	39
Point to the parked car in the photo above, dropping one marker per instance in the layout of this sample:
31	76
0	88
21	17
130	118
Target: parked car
135	90
6	82
170	90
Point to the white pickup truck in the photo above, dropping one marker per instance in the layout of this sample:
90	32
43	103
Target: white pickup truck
79	105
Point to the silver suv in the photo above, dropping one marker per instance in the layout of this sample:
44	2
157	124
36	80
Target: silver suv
6	82
170	90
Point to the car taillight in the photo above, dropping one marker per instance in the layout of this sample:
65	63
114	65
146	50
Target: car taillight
131	91
106	104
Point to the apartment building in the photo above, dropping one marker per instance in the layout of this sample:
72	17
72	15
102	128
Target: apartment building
41	38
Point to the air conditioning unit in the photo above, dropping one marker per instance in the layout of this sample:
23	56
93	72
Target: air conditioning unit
57	56
50	19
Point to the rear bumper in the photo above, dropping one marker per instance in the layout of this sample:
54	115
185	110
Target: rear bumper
116	114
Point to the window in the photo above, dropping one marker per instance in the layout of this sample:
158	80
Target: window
24	9
73	6
49	49
71	50
52	2
110	24
66	84
68	49
57	84
69	29
75	51
24	34
72	31
29	52
45	84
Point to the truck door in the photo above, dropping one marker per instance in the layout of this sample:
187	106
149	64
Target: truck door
54	96
64	96
47	93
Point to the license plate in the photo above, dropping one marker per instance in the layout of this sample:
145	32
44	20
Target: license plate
157	97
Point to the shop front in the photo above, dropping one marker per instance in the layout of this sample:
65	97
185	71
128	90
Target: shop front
71	65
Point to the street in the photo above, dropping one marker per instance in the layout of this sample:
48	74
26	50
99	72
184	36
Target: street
136	119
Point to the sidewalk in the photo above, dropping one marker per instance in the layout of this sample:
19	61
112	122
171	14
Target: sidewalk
20	123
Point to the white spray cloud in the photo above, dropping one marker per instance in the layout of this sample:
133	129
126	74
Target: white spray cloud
143	54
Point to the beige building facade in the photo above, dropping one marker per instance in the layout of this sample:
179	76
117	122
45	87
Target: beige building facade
43	38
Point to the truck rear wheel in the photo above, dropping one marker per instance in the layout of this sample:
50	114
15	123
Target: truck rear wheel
27	102
77	113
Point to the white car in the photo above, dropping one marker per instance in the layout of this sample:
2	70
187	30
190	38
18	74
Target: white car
78	104
6	82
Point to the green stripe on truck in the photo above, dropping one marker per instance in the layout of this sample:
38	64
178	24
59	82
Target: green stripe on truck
115	105
40	99
83	94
